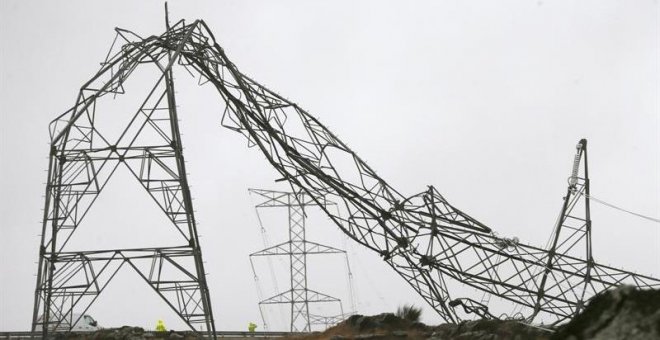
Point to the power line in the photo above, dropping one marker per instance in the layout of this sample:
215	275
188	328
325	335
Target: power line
591	197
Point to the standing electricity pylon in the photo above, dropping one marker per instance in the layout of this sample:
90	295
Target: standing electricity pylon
297	248
84	155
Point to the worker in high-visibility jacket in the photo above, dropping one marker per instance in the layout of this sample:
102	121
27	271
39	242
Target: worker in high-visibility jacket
251	327
160	326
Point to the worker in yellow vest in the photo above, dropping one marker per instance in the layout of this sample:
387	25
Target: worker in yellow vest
251	327
160	326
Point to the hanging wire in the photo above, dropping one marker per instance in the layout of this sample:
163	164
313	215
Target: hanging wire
260	295
351	288
352	295
273	277
591	197
373	285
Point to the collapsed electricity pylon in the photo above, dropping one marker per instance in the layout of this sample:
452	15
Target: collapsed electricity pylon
297	248
424	238
82	161
571	236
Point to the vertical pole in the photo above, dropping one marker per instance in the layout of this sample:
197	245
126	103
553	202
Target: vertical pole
560	222
589	254
551	255
59	163
302	237
39	289
185	189
298	257
291	262
167	17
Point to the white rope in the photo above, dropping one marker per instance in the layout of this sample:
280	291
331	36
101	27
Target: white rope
591	197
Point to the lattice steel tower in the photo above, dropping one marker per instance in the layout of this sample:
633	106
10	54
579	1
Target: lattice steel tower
423	237
297	248
83	158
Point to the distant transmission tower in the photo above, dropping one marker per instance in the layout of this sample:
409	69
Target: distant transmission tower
83	158
297	248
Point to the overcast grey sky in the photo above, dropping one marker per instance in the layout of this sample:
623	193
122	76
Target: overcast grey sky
485	100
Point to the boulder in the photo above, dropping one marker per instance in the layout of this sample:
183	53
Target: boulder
621	313
488	330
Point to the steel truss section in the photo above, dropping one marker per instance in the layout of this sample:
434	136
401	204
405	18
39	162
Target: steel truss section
296	248
82	161
422	237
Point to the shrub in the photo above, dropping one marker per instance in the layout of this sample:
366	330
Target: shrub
409	313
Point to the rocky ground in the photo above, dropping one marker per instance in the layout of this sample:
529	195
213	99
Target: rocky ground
623	313
127	333
388	326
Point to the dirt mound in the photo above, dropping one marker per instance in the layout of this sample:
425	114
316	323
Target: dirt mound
622	313
489	330
388	326
381	326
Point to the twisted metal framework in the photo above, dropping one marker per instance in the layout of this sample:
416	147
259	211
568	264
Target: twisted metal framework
297	248
422	237
572	236
83	158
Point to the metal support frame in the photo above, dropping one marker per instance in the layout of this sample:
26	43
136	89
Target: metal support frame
82	161
296	248
571	236
424	238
